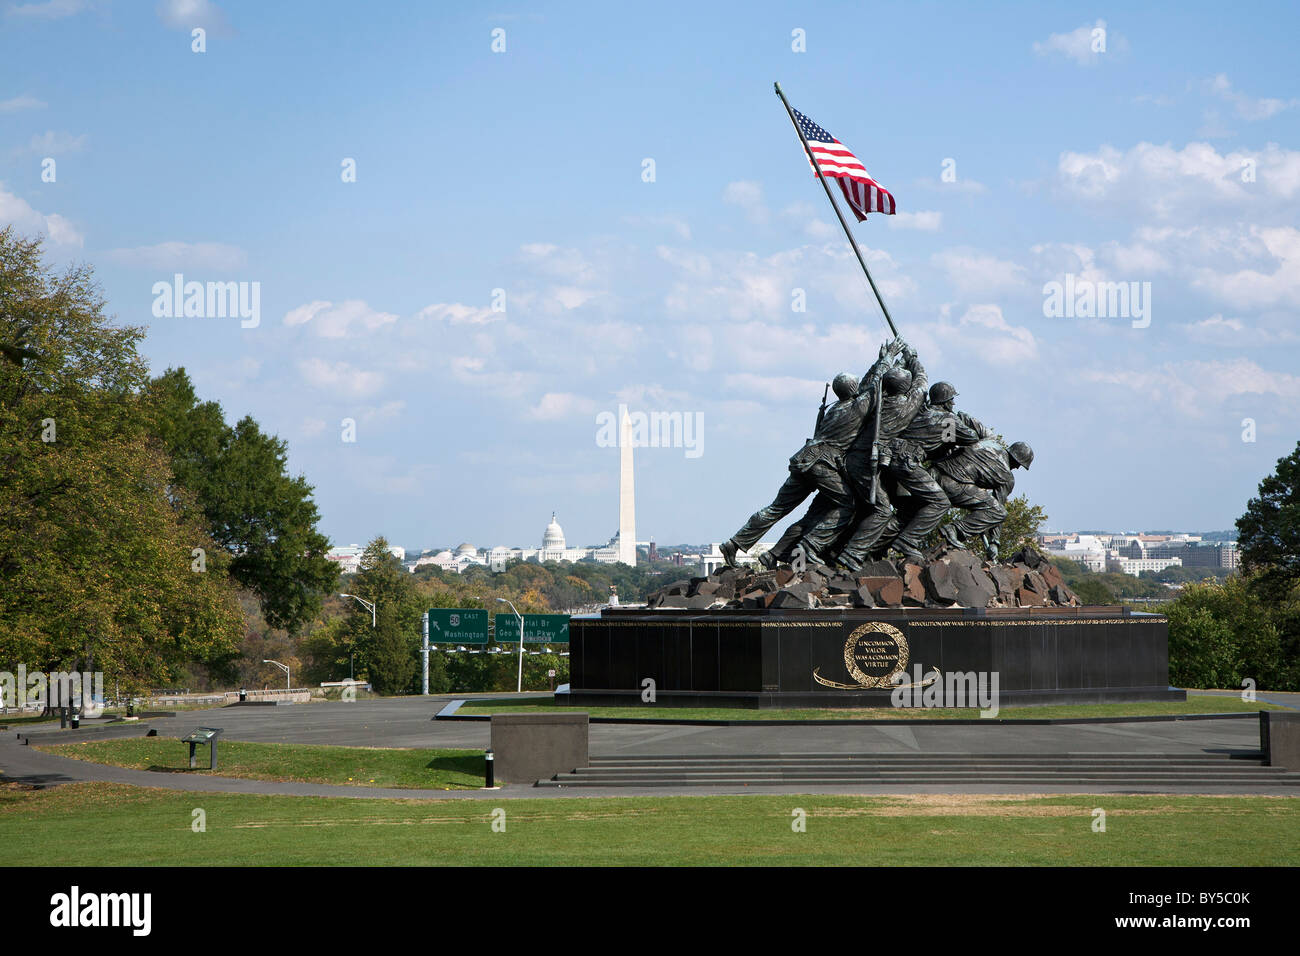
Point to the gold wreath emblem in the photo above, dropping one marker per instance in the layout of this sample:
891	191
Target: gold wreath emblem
868	640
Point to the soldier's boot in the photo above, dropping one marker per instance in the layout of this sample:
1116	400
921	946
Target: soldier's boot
950	534
729	549
909	551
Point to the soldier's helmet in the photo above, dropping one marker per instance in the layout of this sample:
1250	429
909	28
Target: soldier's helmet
1022	454
897	381
941	392
844	385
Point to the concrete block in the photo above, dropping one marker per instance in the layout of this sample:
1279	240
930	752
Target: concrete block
532	747
1279	739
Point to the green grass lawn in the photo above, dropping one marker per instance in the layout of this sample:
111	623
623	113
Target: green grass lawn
14	720
359	766
110	824
1193	705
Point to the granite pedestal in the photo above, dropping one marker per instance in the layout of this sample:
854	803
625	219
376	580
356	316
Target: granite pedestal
850	657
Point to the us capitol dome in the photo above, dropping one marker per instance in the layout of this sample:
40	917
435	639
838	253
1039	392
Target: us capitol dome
553	536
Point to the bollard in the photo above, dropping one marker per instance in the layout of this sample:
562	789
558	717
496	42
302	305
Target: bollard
76	718
489	774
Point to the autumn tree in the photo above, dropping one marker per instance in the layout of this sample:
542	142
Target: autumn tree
102	566
262	517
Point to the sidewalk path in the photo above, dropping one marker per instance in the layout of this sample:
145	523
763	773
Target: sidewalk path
407	722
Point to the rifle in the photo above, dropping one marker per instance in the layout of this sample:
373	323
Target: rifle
875	443
821	412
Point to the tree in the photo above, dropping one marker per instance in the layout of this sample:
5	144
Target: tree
1092	591
1269	531
101	565
263	518
1020	530
1220	635
389	648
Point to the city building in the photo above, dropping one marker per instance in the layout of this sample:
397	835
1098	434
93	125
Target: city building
1135	566
1135	553
554	548
349	558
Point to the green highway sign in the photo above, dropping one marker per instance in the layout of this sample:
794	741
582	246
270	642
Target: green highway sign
538	629
458	625
546	628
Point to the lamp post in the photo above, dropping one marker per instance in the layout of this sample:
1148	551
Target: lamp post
283	667
368	605
520	687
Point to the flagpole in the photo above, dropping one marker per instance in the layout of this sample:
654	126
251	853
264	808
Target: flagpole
836	206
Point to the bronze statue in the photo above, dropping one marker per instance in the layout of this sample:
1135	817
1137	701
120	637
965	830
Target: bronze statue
887	461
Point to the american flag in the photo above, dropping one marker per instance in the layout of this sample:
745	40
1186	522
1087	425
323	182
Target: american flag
863	193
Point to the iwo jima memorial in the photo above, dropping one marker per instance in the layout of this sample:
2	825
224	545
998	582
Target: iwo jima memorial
890	579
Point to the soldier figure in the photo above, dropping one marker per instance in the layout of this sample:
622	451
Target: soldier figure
978	478
818	466
904	397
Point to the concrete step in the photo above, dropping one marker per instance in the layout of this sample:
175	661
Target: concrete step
926	757
1115	770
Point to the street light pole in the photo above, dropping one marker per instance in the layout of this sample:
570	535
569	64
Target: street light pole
520	686
285	668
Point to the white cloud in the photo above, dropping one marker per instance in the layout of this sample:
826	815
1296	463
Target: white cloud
982	331
1254	288
1247	107
649	396
744	286
455	313
1235	333
976	275
807	216
695	350
569	297
774	389
338	321
1167	182
23	102
1192	388
340	377
49	10
748	196
51	143
1084	45
923	221
188	14
768	345
378	413
163	256
554	406
569	265
23	217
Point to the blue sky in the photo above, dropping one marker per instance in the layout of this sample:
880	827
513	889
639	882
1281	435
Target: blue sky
1171	157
